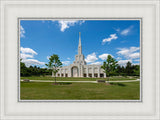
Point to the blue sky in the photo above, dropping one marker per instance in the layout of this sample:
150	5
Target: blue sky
39	39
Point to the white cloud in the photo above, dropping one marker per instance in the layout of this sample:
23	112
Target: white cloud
123	51
134	55
118	58
68	58
126	31
66	24
137	60
135	63
123	62
133	49
26	53
66	62
129	53
109	39
81	22
96	63
104	56
25	56
48	57
27	50
29	62
91	58
22	32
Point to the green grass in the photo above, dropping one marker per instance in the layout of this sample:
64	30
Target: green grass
79	91
79	79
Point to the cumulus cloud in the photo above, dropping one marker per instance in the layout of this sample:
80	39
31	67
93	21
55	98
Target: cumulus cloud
96	63
26	54
137	60
118	58
126	31
64	24
104	56
29	62
91	58
135	63
133	49
123	62
27	50
22	32
129	53
66	62
134	55
110	38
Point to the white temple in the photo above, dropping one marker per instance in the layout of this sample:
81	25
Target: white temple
79	68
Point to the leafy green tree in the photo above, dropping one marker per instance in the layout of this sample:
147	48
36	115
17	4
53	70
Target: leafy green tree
123	73
33	70
23	69
118	70
136	70
53	64
109	66
129	68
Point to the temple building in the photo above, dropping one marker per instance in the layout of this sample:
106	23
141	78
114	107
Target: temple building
79	68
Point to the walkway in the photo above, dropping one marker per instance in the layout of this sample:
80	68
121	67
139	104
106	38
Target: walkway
82	81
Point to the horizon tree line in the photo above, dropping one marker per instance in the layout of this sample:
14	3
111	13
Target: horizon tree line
110	66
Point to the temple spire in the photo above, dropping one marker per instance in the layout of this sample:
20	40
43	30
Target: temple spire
79	46
79	38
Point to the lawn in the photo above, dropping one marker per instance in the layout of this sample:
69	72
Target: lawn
79	79
79	91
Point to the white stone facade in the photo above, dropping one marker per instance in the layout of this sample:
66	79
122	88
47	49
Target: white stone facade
79	68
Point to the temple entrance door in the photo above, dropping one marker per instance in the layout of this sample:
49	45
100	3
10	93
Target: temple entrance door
74	71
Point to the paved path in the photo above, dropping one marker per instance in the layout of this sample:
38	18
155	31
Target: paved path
82	81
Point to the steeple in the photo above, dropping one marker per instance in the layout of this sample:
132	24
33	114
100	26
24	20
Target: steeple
79	46
79	59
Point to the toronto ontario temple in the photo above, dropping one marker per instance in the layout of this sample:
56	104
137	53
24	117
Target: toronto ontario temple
79	68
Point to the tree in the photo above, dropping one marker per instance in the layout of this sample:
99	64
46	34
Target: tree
136	70
23	69
119	70
109	66
129	68
53	64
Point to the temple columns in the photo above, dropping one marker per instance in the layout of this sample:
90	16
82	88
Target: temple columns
104	75
98	72
60	72
87	71
92	72
64	72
